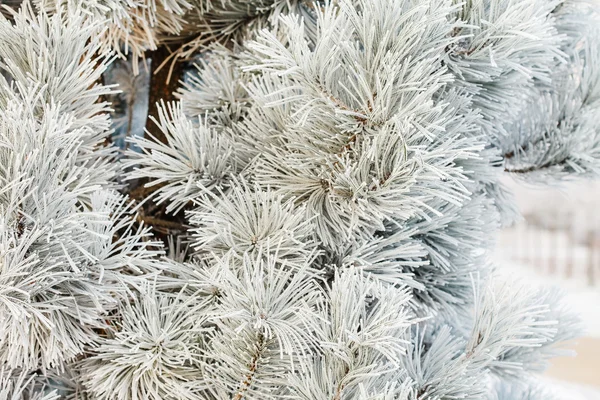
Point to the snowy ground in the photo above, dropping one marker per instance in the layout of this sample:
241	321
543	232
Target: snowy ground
569	391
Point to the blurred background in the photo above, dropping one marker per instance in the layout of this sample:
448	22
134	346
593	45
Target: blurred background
558	243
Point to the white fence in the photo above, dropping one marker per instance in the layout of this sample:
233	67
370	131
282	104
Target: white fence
553	252
560	234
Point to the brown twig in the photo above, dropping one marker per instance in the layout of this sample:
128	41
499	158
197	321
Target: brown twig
247	382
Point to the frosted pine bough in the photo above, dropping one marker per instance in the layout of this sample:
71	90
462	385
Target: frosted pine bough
338	164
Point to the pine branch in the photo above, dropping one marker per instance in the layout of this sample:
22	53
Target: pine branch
253	366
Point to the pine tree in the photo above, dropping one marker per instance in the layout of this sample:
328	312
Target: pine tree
334	169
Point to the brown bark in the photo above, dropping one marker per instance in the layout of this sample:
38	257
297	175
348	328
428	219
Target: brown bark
161	87
163	84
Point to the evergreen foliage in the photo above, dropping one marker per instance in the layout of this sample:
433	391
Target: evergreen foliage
338	164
